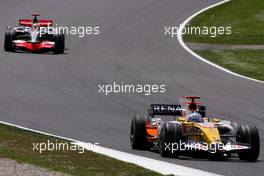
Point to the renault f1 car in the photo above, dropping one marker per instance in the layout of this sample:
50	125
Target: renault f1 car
191	132
35	36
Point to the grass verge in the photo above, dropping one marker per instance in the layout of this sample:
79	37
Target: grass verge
246	17
245	62
17	144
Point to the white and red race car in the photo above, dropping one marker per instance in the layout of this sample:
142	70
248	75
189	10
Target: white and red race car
35	36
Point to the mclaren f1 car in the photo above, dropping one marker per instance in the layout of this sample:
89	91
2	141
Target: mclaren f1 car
35	35
190	132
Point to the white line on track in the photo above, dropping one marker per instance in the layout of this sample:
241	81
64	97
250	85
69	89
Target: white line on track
180	39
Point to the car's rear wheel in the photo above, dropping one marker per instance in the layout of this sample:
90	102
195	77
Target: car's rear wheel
248	135
169	140
9	37
59	40
138	138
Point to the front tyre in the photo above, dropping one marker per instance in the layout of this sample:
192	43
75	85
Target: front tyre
59	40
169	140
248	135
9	37
138	139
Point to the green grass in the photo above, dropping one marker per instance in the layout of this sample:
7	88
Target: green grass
17	144
246	62
246	17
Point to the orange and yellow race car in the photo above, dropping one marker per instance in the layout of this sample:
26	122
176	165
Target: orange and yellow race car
190	132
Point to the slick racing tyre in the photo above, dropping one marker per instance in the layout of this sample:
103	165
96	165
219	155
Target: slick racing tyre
248	135
169	140
9	37
59	40
138	137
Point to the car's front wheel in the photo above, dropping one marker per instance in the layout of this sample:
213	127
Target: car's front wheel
169	140
59	46
248	135
9	37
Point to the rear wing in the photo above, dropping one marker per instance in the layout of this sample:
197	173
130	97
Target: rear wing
172	110
42	23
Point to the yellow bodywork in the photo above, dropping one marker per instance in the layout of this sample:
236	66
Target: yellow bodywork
198	132
191	130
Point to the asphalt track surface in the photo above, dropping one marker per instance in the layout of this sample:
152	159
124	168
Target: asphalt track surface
59	94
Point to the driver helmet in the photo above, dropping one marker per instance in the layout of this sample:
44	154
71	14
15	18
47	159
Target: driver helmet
195	117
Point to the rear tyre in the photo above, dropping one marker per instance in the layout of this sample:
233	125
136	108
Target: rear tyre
59	40
248	135
138	139
169	140
9	37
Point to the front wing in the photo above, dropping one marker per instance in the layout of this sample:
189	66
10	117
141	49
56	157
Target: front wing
214	148
36	46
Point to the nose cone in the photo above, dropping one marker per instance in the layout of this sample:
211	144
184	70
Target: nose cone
211	135
34	36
